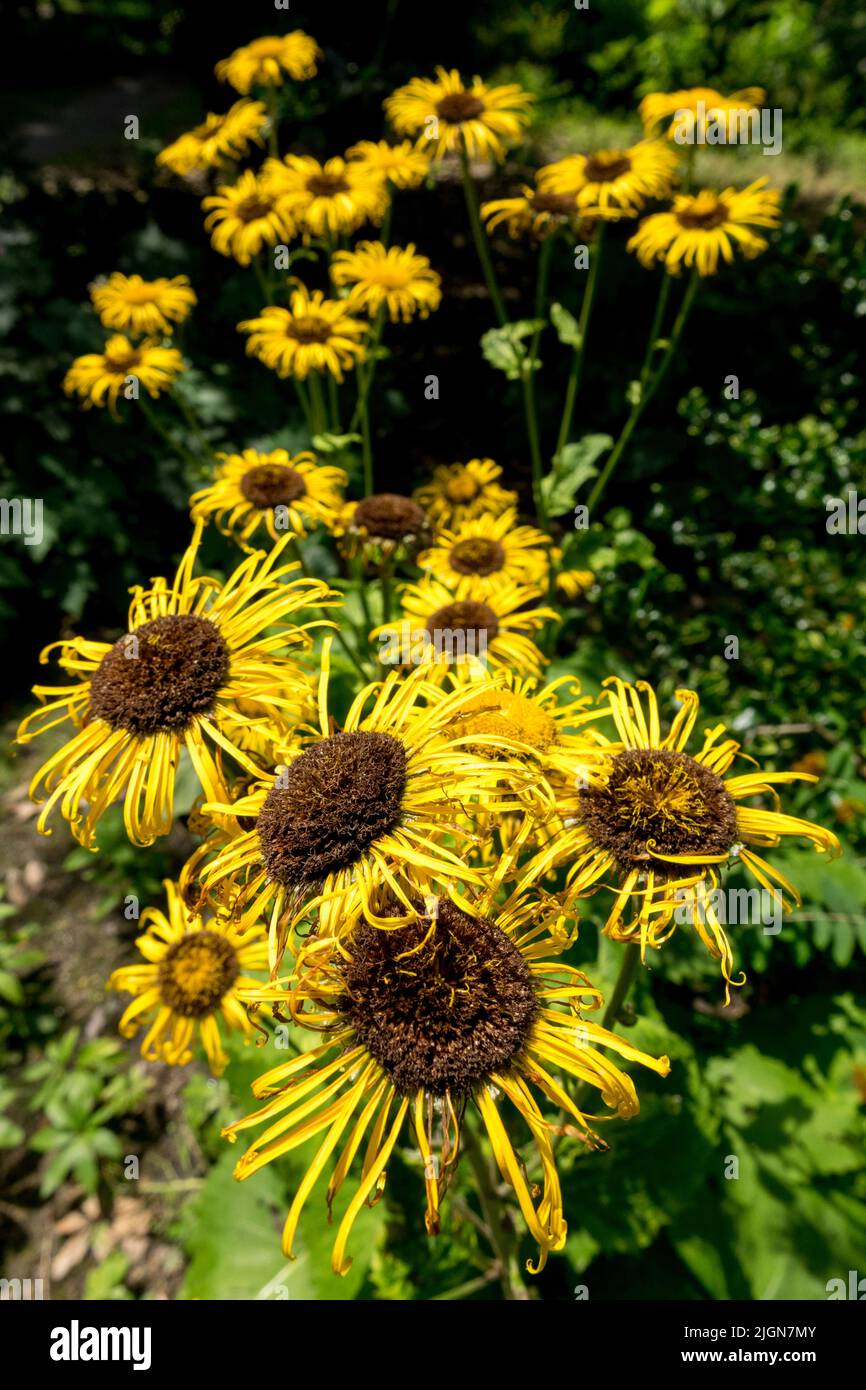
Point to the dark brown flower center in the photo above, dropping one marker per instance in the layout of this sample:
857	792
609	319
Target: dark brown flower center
161	675
272	485
252	208
330	804
327	185
468	617
604	168
444	1015
660	800
694	220
477	555
388	516
196	973
459	106
561	204
307	328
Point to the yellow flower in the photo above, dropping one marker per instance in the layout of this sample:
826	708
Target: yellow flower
704	104
134	305
703	228
396	279
574	584
98	377
245	217
444	114
281	492
460	491
464	1009
194	651
570	584
542	723
663	823
402	165
264	62
357	814
326	199
538	214
476	557
613	179
194	972
218	138
440	631
313	335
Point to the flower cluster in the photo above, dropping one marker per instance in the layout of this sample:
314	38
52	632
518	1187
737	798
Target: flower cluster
404	876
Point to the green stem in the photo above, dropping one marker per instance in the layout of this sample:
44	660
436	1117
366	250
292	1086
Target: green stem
165	434
658	318
264	282
577	360
621	989
333	404
317	405
385	233
273	112
495	1219
534	443
352	655
193	426
479	236
646	395
305	403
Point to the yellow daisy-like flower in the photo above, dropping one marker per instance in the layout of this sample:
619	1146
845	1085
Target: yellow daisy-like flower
394	278
465	1008
704	104
99	377
244	217
662	823
218	138
274	490
194	651
570	584
476	557
326	199
705	228
194	972
444	115
459	491
546	724
314	334
402	165
133	305
613	179
574	584
371	809
440	631
539	214
266	62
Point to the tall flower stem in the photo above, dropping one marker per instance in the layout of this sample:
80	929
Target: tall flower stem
264	283
166	435
317	405
495	1219
621	989
273	127
528	380
479	237
193	426
577	360
647	392
305	403
658	319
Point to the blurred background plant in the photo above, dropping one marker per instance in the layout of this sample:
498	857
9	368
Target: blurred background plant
714	526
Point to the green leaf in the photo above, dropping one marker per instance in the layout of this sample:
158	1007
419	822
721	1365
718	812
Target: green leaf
566	326
572	467
334	443
503	348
